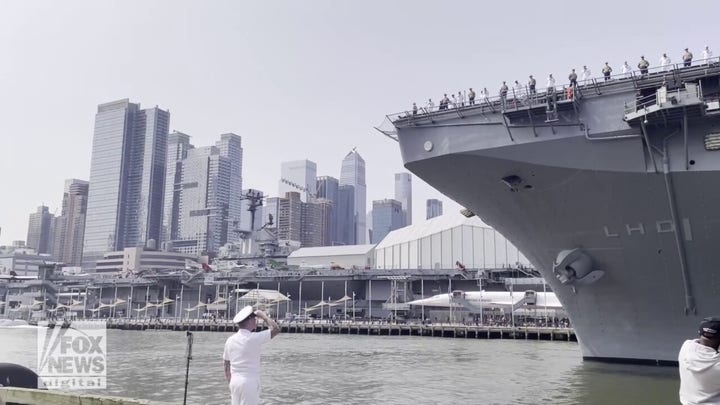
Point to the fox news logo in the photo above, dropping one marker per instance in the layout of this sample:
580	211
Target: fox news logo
73	358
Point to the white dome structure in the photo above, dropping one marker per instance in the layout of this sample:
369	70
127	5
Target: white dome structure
440	242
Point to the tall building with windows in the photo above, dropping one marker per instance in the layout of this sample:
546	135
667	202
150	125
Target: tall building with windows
403	193
127	178
204	202
203	194
70	225
298	176
230	146
178	146
328	189
40	230
434	208
387	216
346	226
289	217
352	173
312	223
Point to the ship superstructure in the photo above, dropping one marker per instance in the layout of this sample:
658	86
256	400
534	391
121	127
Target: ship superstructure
610	188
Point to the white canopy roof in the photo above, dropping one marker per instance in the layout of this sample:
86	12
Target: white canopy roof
264	295
429	227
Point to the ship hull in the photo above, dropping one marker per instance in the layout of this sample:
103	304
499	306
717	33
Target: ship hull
611	200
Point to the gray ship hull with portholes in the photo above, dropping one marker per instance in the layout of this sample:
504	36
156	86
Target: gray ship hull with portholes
615	199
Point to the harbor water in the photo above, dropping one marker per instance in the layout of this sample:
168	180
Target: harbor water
343	369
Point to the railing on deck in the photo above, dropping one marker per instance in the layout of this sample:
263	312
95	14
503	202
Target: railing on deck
517	99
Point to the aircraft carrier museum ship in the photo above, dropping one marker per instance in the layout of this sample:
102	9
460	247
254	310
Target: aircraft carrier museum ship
611	189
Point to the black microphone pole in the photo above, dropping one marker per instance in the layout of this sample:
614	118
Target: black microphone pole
187	366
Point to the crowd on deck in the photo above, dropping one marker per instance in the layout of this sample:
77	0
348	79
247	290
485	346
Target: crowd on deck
519	90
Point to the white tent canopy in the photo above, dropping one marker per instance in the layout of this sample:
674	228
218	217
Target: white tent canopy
264	295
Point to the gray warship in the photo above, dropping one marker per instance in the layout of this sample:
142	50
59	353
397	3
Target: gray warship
611	188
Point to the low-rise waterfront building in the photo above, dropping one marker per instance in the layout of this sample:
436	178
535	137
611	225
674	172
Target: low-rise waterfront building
345	257
136	259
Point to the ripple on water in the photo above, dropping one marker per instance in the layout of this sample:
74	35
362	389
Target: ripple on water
331	369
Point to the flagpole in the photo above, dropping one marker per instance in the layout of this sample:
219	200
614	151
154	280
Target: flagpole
147	299
277	306
322	297
182	290
162	310
198	308
345	302
545	298
422	297
114	300
129	314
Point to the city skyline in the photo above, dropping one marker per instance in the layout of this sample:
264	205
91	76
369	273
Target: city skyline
281	75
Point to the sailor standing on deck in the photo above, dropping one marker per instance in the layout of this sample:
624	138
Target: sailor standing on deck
531	85
430	105
573	78
551	84
707	54
626	70
643	65
471	96
699	366
518	89
585	75
606	71
665	62
485	95
503	94
242	356
461	99
687	58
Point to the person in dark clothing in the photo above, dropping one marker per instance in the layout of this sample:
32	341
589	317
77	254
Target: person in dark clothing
643	65
531	85
573	78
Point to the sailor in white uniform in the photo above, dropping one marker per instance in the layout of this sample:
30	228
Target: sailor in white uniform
585	75
626	70
242	356
665	62
707	54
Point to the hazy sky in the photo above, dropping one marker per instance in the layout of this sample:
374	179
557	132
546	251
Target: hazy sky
296	79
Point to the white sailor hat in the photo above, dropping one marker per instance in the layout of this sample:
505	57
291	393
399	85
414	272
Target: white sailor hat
243	314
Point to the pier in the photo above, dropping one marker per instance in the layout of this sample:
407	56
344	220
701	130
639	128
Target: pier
458	331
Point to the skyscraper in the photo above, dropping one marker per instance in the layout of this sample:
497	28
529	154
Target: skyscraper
313	215
70	225
127	178
403	193
178	145
346	226
230	146
39	236
298	176
328	189
204	201
289	217
434	208
352	173
387	216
